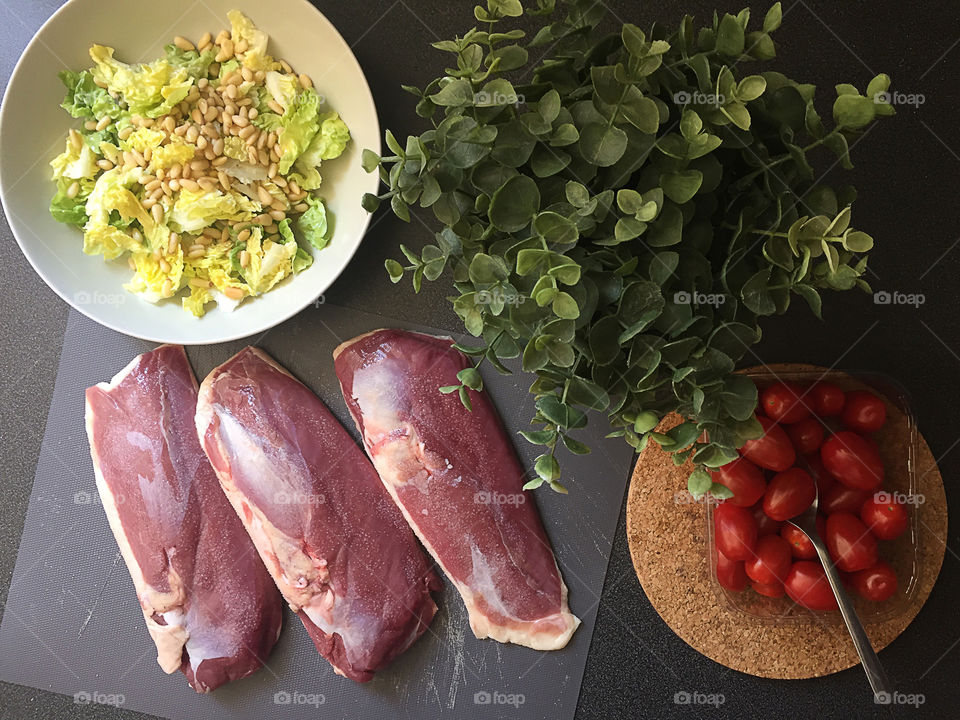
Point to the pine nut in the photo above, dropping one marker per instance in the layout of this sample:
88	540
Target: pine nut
244	258
272	170
164	265
286	66
76	139
261	219
195	254
247	131
265	197
175	171
73	190
247	74
244	235
301	207
241	47
172	243
202	143
221	160
174	184
218	146
240	121
105	164
278	215
169	124
206	40
147	154
199	282
151	186
125	133
252	155
157	212
275	106
225	234
148	203
305	81
211	114
234	293
197	246
183	44
190	185
90	125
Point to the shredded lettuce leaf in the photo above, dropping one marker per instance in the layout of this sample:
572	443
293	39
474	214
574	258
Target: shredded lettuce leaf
327	144
312	225
256	57
151	90
75	163
193	211
85	99
195	63
298	125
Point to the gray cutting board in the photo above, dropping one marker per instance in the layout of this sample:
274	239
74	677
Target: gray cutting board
72	623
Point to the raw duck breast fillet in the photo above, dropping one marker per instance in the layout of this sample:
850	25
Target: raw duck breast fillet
329	534
458	481
209	603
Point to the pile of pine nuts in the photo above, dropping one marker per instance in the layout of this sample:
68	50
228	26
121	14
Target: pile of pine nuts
210	113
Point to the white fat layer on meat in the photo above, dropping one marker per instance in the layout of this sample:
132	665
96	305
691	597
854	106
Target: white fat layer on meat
401	459
302	579
169	639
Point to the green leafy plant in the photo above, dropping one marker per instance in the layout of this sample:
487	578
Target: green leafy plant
592	188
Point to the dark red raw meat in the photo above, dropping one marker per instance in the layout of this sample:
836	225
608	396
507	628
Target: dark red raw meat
456	476
208	602
330	536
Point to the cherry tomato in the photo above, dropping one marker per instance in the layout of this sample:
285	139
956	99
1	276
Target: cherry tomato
784	402
735	531
841	498
771	561
864	411
886	518
853	460
827	399
876	583
800	545
789	494
806	435
766	525
772	450
743	479
850	543
730	573
818	472
807	585
773	590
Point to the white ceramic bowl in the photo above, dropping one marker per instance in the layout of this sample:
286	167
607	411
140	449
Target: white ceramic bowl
33	128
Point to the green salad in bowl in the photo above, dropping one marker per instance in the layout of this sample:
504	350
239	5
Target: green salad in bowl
201	167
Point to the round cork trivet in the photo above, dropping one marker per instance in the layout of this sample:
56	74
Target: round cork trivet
668	544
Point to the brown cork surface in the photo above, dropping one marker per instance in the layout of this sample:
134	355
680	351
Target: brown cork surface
668	544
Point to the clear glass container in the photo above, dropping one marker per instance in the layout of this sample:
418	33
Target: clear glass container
898	444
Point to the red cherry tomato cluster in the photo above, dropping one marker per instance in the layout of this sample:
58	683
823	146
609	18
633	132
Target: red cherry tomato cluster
816	441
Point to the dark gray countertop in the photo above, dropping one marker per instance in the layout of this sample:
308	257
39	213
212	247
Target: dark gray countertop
906	173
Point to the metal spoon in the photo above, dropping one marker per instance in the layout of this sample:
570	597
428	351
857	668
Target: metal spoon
807	523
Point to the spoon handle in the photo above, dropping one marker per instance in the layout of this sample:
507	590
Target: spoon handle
868	657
